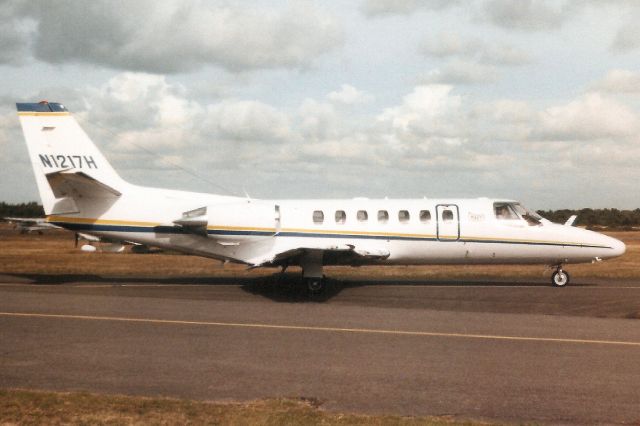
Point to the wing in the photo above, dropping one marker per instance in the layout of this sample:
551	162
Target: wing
29	224
342	254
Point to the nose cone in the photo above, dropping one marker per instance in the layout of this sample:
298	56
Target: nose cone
617	247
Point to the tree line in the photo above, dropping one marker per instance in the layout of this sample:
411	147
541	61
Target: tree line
590	218
596	218
31	209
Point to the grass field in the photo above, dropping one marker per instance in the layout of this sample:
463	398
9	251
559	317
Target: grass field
53	253
56	408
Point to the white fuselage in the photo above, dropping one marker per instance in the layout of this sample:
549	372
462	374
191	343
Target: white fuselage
456	231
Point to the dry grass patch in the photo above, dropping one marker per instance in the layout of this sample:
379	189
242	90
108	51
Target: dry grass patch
78	408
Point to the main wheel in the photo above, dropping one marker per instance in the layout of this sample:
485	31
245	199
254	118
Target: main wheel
315	284
560	278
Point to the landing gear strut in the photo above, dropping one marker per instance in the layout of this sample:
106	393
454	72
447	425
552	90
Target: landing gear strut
559	278
312	275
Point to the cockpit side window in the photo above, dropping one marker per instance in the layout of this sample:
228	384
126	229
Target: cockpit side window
531	217
505	211
515	211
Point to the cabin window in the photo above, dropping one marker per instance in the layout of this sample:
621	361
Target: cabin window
362	216
318	216
383	216
447	215
341	216
403	216
425	216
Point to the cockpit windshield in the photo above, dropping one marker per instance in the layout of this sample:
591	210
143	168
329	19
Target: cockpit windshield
516	211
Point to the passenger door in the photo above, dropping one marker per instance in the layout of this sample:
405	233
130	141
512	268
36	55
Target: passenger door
448	222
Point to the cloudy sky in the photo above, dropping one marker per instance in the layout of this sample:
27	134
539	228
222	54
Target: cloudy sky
536	100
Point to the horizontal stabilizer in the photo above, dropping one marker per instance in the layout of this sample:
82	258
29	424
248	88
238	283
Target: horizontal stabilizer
79	185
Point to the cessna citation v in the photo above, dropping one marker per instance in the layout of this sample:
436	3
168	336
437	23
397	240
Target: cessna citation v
80	191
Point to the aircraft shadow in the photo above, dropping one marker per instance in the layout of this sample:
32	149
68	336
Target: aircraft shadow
277	287
63	279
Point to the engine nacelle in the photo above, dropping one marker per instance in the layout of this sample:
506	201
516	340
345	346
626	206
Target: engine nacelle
227	221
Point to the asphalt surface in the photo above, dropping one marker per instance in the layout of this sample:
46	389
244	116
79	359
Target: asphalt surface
483	350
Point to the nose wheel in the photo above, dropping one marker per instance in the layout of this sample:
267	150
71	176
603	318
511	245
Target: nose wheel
559	278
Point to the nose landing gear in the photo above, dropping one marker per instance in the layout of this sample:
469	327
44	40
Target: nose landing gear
559	278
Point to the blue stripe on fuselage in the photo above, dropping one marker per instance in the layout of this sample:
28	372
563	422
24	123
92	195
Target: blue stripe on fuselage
88	227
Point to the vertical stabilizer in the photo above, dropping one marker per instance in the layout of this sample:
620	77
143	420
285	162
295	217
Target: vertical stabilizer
59	147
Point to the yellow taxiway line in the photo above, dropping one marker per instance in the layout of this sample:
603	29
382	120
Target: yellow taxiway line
322	329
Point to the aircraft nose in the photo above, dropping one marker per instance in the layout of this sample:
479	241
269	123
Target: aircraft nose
617	247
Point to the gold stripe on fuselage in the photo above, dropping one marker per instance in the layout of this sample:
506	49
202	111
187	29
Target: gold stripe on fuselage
78	220
84	220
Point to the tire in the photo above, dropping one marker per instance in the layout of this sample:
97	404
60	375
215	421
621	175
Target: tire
560	278
315	285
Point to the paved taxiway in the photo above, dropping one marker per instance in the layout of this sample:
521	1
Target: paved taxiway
481	350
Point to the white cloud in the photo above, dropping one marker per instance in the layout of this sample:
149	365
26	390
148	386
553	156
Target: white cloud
505	120
349	95
351	148
522	15
462	72
317	120
531	15
134	101
8	125
510	111
627	38
429	122
590	117
424	106
244	120
402	7
448	44
134	116
619	81
15	34
175	36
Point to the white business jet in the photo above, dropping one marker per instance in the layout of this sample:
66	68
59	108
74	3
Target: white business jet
80	191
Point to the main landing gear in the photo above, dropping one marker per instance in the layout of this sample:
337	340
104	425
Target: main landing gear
315	285
312	275
559	278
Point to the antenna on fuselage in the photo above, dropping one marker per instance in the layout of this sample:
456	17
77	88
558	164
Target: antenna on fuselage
246	194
